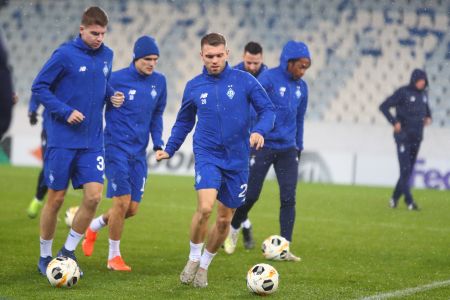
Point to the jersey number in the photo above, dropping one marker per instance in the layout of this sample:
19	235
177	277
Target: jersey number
101	163
244	191
143	184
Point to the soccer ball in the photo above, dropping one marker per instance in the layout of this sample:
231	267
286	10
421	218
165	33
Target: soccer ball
70	214
275	247
262	279
63	272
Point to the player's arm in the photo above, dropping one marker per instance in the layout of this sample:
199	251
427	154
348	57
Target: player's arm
391	101
156	126
50	73
428	118
263	106
33	107
301	111
183	125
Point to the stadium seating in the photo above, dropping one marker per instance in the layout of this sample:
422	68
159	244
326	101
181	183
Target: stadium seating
362	49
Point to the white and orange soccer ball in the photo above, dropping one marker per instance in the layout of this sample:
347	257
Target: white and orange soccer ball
69	215
275	247
63	272
262	279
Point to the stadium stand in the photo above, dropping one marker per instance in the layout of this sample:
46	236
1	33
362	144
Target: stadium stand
362	49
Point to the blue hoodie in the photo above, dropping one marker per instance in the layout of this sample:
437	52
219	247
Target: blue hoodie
290	98
222	106
75	77
129	126
411	108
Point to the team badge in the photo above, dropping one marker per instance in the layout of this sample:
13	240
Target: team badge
198	178
282	91
298	93
131	94
402	148
153	93
105	69
424	99
230	92
51	178
412	99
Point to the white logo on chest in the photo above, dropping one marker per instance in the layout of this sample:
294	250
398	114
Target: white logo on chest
298	93
82	69
131	94
203	97
153	93
230	92
282	91
412	99
105	69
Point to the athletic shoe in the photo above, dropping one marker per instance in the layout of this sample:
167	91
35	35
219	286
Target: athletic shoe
201	278
249	243
230	242
292	257
34	208
392	203
117	264
70	254
43	263
88	243
189	271
413	206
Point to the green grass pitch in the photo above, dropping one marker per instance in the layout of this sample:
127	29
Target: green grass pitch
351	244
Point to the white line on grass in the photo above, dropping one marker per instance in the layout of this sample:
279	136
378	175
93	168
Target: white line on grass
409	291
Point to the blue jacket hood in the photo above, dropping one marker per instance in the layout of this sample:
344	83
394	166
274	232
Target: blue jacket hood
417	75
293	50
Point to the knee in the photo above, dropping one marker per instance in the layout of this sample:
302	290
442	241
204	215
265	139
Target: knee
55	203
132	211
223	223
204	212
93	199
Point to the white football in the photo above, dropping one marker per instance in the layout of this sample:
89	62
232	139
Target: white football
63	272
275	247
262	279
70	214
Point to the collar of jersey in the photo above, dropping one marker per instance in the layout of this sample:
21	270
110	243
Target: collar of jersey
222	74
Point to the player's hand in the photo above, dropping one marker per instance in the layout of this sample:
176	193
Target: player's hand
299	154
161	154
15	98
33	118
427	121
117	99
75	117
256	140
397	127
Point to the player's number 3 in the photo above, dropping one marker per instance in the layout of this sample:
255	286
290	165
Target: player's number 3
101	163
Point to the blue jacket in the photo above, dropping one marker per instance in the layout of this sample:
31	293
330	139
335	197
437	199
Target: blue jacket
290	98
75	77
129	126
241	66
222	105
411	108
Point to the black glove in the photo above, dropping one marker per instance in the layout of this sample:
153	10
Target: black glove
156	148
33	118
299	154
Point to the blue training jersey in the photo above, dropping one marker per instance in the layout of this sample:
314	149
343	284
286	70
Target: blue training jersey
222	106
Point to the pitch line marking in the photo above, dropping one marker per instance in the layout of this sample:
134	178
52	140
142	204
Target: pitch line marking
409	291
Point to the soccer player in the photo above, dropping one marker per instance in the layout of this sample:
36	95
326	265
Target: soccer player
220	97
253	63
252	60
283	145
73	87
412	113
126	139
41	190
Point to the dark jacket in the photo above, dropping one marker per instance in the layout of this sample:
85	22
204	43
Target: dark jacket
6	91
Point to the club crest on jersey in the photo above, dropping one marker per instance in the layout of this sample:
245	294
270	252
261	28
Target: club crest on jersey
402	148
282	91
412	99
131	94
153	93
424	99
203	97
230	92
298	93
105	69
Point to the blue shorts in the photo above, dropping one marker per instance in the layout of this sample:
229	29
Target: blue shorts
231	185
126	174
79	165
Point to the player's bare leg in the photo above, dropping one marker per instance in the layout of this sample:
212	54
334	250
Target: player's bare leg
199	228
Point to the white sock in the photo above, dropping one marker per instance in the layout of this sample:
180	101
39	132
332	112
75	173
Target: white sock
206	259
97	224
114	249
73	238
234	230
46	247
247	224
196	251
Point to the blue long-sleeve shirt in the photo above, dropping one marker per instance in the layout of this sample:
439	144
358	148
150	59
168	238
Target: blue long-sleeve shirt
222	106
129	126
411	107
75	78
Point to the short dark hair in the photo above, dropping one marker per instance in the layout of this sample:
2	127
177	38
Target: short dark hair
94	15
253	48
213	39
